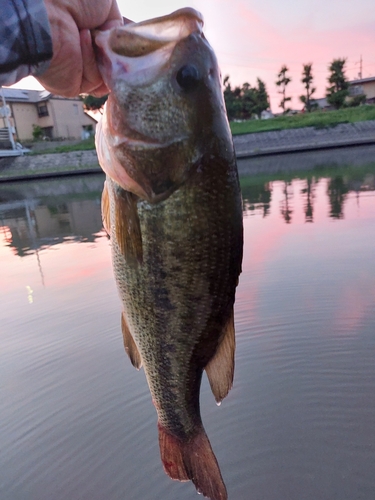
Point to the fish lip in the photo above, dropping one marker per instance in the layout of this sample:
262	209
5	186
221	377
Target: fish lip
156	29
137	68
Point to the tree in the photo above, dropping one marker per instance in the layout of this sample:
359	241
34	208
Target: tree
244	102
262	101
282	82
240	101
307	80
339	89
247	98
231	99
91	103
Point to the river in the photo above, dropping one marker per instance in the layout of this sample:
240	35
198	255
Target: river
76	419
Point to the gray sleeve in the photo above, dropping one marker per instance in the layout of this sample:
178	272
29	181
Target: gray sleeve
25	40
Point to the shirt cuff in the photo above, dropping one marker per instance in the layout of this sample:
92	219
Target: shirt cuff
25	40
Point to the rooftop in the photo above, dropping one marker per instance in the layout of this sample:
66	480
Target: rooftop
31	96
362	80
21	95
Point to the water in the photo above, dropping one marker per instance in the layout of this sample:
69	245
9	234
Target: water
76	419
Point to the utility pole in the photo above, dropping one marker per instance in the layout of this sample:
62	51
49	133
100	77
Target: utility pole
360	68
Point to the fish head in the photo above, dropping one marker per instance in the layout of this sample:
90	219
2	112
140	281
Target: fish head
165	110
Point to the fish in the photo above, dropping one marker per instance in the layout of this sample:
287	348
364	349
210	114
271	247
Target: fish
172	207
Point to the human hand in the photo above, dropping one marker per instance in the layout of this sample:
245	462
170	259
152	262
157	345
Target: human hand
73	69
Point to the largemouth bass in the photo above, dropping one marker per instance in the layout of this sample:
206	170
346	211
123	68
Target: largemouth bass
172	207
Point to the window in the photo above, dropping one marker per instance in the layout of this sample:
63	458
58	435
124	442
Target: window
47	132
42	109
356	90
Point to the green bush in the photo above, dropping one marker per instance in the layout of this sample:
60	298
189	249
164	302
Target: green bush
37	132
357	100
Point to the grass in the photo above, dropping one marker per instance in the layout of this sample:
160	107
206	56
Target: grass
86	145
317	119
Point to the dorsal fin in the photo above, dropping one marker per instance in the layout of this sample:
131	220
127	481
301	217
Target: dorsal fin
127	227
106	215
129	344
220	369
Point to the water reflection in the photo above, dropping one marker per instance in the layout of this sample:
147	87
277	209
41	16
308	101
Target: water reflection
337	191
257	197
308	191
47	217
286	204
258	192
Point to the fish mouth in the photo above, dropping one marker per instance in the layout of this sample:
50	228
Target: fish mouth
138	52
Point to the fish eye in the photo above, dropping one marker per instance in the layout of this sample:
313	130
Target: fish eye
188	77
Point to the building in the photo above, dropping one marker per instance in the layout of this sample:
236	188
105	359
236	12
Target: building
363	86
321	103
58	117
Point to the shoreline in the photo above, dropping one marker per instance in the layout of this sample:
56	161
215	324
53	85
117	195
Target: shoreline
308	146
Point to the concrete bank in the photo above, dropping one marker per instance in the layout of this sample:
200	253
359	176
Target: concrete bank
304	139
48	165
280	150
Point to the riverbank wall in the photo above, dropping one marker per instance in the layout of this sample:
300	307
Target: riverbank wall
48	165
308	147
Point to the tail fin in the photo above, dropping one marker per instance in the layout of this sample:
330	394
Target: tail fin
192	459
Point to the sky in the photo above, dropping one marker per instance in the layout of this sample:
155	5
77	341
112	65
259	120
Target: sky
255	38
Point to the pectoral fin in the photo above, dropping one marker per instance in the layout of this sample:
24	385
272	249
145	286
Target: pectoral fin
220	369
106	216
129	344
127	227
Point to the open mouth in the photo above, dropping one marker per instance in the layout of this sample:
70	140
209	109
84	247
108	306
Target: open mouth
137	52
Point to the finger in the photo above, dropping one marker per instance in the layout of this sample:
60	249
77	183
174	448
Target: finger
114	18
110	24
91	78
100	91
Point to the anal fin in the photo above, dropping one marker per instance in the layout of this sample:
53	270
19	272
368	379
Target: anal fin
127	227
220	369
129	344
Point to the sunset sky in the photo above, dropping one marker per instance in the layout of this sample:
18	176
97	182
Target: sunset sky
254	39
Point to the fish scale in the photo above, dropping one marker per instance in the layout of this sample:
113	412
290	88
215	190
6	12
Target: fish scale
201	271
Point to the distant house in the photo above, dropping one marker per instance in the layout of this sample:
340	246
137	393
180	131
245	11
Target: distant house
59	117
365	86
267	114
321	103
